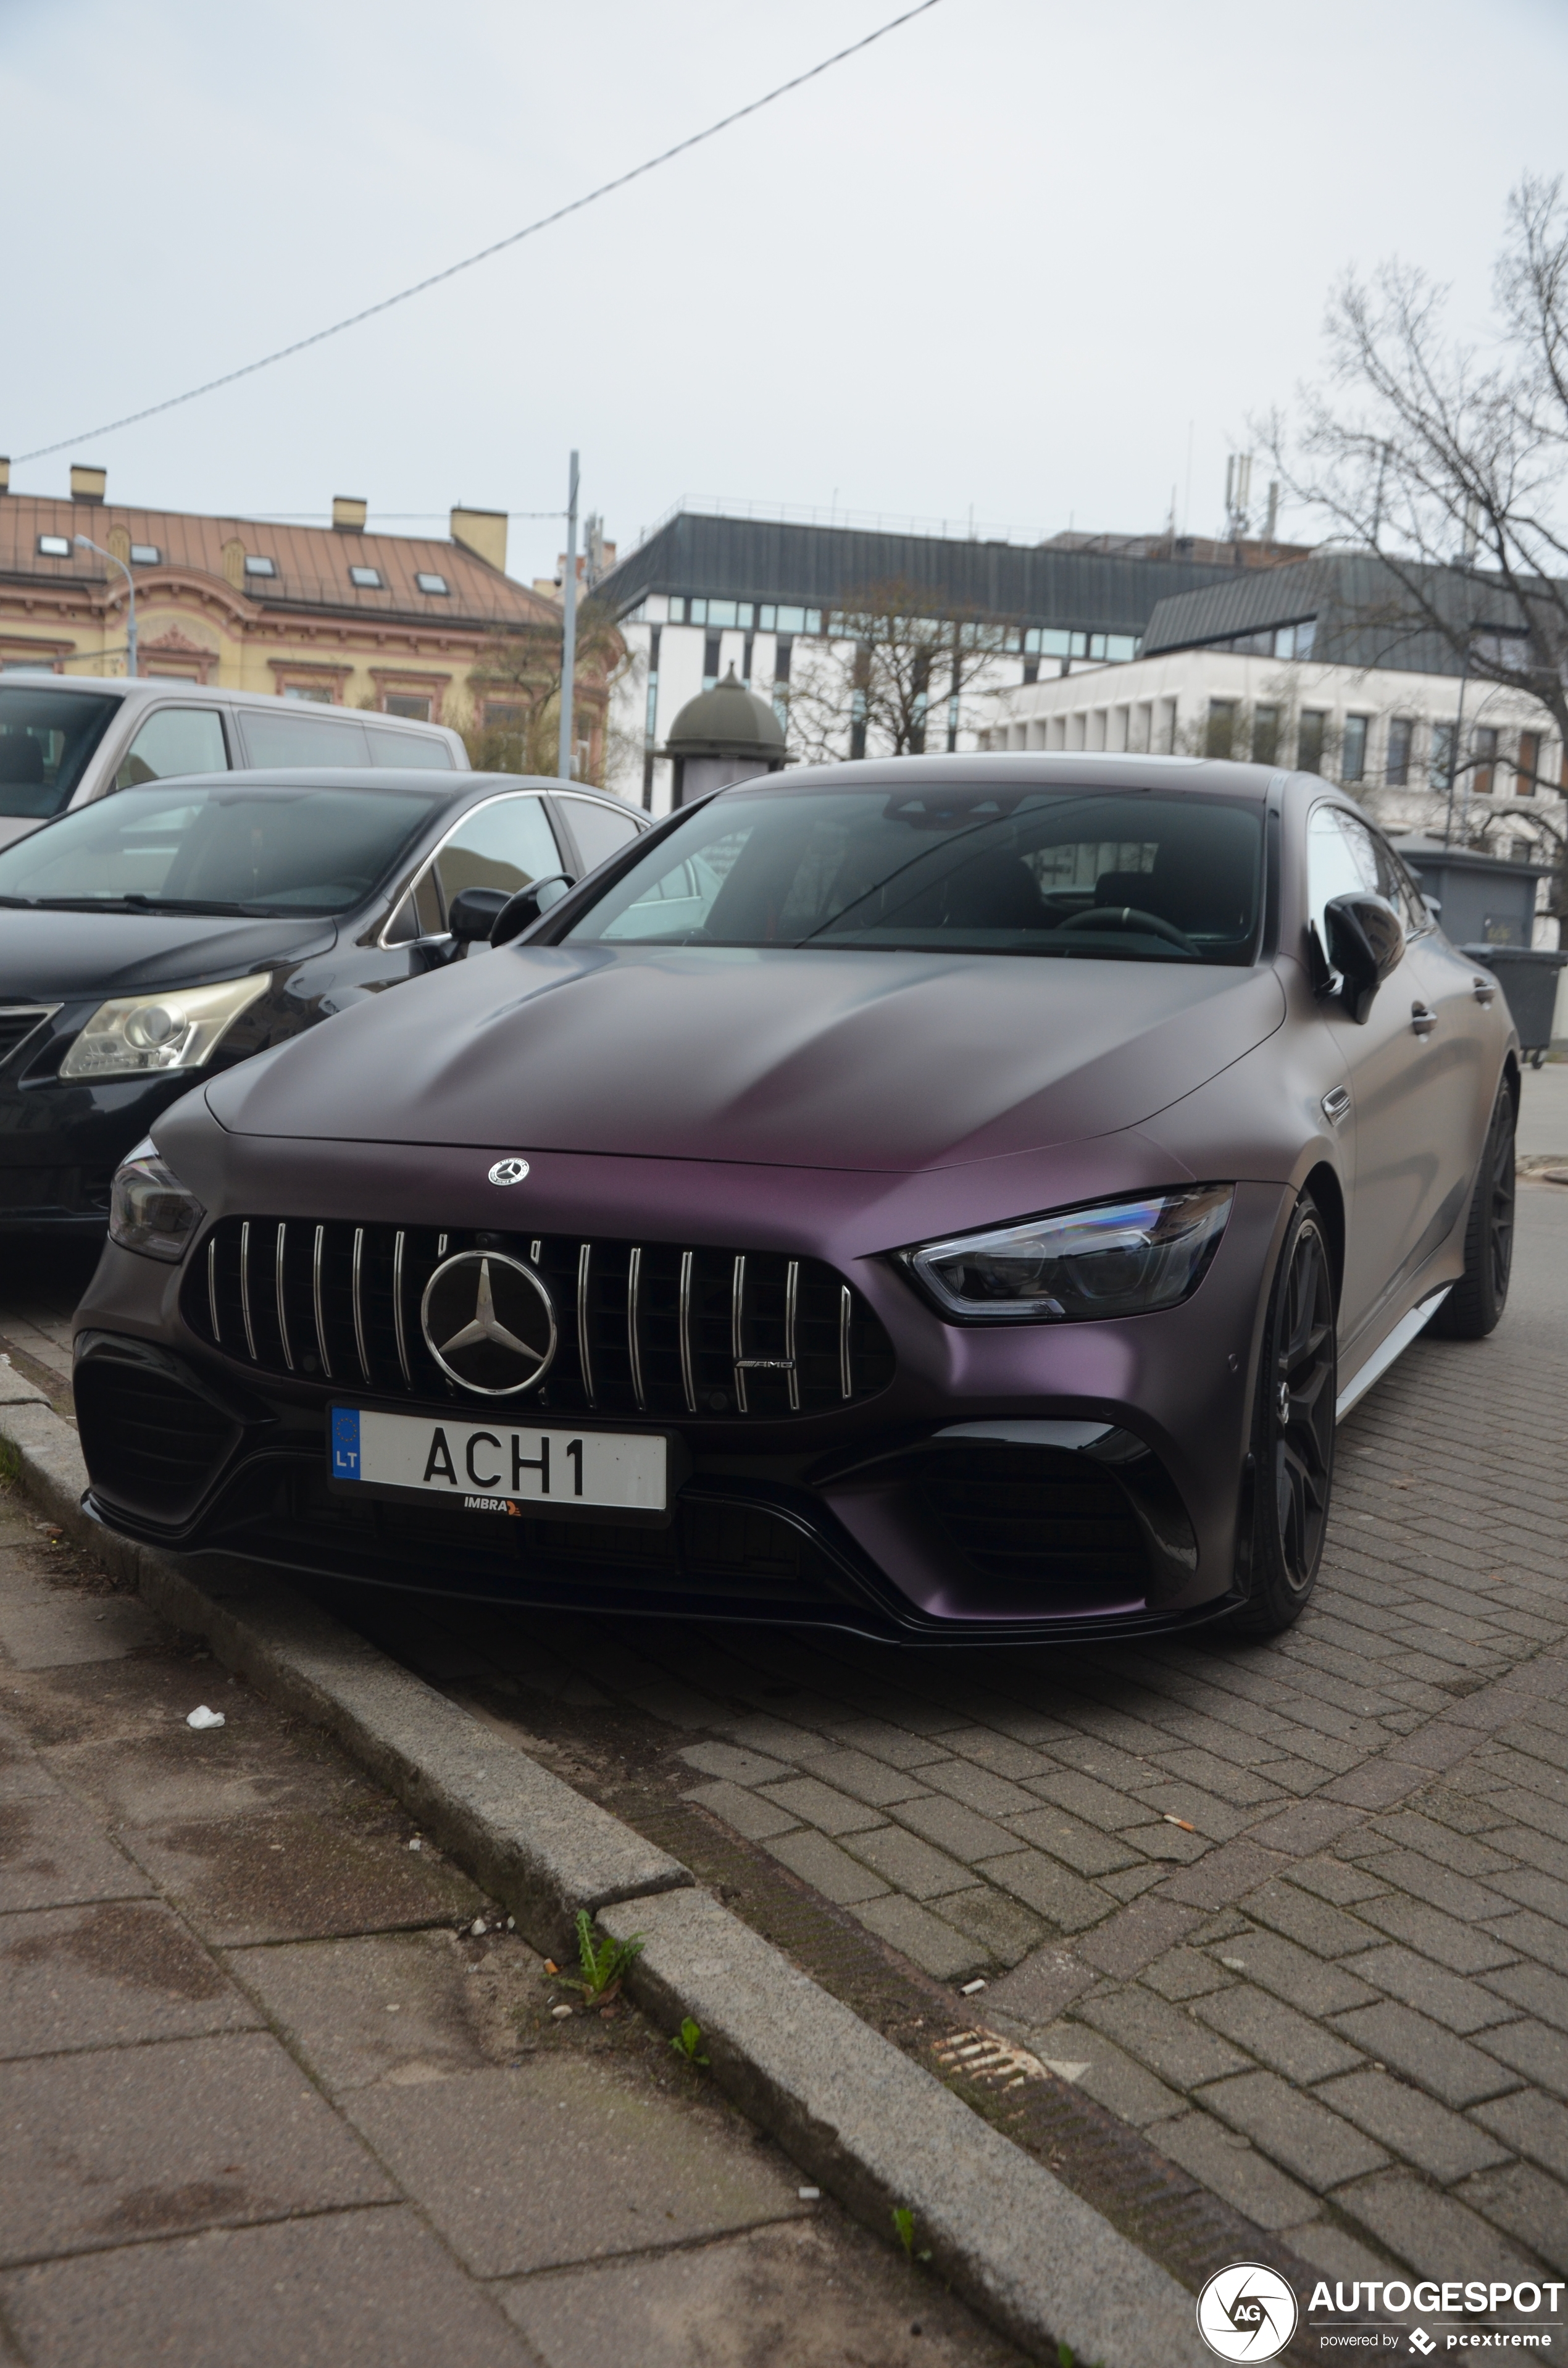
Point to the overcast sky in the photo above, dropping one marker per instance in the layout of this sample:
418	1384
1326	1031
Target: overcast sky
1016	260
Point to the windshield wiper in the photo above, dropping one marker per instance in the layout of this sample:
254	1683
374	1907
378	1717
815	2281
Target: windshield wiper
135	904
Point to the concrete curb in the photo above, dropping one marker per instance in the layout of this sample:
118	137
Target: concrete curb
849	2107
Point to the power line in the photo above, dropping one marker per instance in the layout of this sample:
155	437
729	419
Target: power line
319	337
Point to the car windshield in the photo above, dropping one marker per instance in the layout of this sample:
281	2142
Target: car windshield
173	847
46	737
1121	876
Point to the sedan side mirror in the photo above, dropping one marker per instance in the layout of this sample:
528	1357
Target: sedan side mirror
472	914
520	912
1366	941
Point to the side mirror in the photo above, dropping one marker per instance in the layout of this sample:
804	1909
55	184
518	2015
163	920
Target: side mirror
520	912
1366	941
472	914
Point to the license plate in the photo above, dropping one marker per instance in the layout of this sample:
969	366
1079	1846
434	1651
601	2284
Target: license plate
497	1467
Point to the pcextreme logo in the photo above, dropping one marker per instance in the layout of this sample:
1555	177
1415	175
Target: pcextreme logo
1247	2312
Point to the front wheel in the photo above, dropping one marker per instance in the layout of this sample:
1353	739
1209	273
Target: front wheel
1292	1440
1472	1308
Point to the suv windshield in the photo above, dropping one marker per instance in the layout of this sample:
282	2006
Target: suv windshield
1123	876
46	738
302	850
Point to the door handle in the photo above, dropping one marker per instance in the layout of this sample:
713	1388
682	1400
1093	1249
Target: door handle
1483	989
1422	1019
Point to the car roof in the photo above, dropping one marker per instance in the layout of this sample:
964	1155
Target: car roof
1033	768
440	780
204	694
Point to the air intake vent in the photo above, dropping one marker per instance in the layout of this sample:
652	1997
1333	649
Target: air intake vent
1034	1514
648	1329
151	1444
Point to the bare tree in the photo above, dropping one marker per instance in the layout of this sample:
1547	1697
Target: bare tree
515	691
910	654
1448	461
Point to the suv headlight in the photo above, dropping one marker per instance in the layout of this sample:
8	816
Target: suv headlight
150	1210
140	1034
1125	1257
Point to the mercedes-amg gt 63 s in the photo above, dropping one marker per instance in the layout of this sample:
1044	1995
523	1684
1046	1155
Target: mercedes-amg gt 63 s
946	1199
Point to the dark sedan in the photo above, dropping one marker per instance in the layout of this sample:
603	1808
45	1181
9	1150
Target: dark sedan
945	1199
176	928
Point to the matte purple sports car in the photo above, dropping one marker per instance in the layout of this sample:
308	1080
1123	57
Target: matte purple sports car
942	1199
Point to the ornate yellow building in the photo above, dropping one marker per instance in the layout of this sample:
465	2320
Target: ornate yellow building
389	621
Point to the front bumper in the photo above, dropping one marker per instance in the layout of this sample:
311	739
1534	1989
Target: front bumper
1008	1482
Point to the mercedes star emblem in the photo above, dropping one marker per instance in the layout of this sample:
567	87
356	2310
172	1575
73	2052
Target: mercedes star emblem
508	1171
488	1322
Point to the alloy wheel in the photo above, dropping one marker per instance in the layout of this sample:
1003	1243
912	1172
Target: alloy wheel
1500	1211
1302	1442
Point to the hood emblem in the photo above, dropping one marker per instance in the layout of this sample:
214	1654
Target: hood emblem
489	1324
508	1171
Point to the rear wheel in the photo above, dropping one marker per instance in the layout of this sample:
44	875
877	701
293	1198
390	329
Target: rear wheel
1293	1424
1476	1302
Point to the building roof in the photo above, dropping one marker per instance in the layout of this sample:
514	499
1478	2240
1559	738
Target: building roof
819	566
312	563
1362	612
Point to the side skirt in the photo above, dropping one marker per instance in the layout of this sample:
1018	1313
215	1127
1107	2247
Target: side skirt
1388	1353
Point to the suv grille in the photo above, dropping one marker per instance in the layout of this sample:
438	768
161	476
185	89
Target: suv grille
644	1328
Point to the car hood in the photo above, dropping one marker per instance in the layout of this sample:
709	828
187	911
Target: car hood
806	1059
61	957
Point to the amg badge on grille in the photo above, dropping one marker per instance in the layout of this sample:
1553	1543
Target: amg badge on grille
508	1171
488	1322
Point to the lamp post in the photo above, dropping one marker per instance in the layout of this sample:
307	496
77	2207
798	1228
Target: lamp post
84	542
568	634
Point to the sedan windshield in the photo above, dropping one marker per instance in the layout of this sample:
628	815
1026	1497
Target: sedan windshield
175	848
46	738
1125	875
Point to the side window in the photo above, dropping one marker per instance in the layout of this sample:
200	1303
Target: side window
502	846
175	740
1340	860
291	736
599	831
390	746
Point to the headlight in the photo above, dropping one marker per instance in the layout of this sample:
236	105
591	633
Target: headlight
140	1034
149	1208
1125	1258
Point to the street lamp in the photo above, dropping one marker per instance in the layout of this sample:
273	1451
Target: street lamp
84	542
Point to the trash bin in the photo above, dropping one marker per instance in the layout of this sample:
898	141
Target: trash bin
1527	977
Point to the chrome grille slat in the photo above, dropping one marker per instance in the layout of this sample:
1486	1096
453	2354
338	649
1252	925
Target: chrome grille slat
633	1340
245	1289
657	1332
277	1287
397	1310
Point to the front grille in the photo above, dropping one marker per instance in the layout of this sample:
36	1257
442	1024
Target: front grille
1032	1514
645	1328
17	1022
149	1443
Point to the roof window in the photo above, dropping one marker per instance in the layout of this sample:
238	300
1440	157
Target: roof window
53	546
146	554
431	583
369	579
256	565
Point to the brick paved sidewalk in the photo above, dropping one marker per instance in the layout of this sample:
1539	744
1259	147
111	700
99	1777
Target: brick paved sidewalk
268	2098
1299	1911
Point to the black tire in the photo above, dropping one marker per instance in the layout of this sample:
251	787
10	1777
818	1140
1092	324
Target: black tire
1474	1305
1292	1436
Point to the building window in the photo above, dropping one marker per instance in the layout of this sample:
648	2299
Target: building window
430	583
146	554
1309	744
1442	769
712	647
1265	735
1220	735
1032	669
54	546
500	714
256	565
406	703
1396	772
1353	756
1485	761
318	693
367	579
1528	766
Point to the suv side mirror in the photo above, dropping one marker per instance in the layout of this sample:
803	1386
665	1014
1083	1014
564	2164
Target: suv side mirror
472	914
1366	941
520	912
